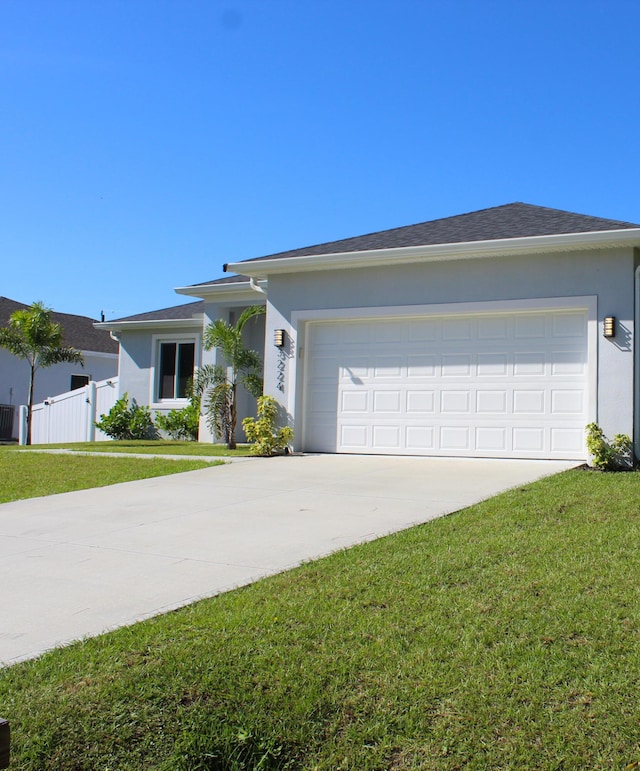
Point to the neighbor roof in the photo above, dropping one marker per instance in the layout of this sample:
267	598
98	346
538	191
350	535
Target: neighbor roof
79	331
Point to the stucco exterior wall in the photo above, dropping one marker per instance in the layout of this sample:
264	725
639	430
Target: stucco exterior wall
137	360
138	351
605	274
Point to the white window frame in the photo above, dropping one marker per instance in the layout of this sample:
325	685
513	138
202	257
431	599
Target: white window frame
154	385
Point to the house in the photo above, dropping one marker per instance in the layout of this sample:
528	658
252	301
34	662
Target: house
100	353
497	333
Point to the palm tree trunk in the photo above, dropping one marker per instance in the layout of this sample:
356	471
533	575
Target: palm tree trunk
30	402
234	417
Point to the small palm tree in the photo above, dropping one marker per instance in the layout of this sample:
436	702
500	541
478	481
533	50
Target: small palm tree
218	385
33	336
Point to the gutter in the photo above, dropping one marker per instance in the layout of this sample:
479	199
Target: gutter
212	291
605	239
115	327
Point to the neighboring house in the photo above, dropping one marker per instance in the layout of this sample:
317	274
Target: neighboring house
479	335
99	349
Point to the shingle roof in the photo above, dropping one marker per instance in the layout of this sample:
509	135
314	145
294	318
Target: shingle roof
225	280
184	311
79	331
513	220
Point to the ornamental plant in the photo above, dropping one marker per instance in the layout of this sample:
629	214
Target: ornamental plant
181	424
124	421
268	439
609	455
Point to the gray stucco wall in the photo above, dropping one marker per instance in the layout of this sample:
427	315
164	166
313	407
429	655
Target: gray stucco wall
606	274
137	354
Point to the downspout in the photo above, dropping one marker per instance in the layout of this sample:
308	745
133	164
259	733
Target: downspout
636	366
254	286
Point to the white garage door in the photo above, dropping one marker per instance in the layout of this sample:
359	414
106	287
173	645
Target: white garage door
508	385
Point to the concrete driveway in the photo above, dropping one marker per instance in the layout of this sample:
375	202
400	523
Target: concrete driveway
76	564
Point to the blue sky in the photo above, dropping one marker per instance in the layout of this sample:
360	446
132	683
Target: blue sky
143	143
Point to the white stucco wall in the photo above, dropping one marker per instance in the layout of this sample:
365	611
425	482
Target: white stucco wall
606	274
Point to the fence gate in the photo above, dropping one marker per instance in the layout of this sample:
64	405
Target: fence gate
70	417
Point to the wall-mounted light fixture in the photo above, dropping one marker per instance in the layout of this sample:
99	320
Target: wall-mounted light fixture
278	338
609	326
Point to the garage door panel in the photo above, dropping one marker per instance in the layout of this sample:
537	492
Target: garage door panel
493	328
495	385
568	325
422	330
492	365
420	438
386	437
491	439
529	401
421	402
388	367
491	402
455	401
455	438
387	401
528	364
566	439
568	363
456	329
421	366
354	401
456	365
354	436
530	326
565	401
528	439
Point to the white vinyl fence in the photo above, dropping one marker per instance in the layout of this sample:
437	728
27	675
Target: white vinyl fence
70	417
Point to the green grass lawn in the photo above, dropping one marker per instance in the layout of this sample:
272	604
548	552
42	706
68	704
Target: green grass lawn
28	475
152	447
505	636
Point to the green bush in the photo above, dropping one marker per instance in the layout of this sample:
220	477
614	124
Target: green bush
181	424
263	432
614	455
124	421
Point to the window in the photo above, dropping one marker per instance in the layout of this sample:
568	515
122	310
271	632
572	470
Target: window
176	369
79	381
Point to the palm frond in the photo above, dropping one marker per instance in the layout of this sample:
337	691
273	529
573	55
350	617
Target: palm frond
249	313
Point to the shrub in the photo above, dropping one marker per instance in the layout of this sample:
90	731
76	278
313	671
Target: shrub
267	438
181	424
613	455
127	422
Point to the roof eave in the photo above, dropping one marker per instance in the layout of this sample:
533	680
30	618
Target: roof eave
604	239
121	326
236	290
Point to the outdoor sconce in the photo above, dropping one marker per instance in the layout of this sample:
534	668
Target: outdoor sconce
278	338
609	326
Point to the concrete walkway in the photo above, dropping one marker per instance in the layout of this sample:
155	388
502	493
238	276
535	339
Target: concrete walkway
79	563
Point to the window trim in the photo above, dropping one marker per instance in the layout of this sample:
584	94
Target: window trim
154	384
84	376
